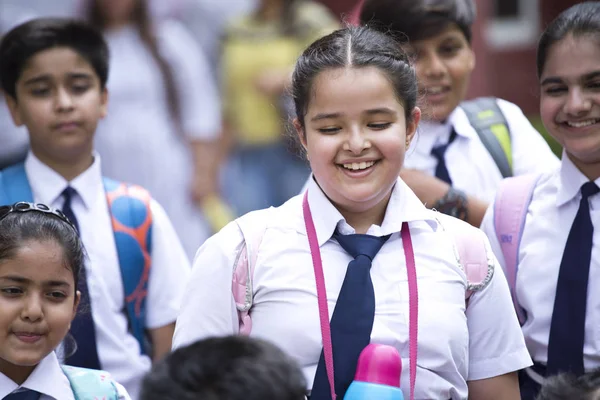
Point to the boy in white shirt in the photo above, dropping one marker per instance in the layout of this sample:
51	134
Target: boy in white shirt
54	72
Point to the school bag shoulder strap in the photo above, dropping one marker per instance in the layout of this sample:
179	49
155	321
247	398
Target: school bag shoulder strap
131	219
253	226
90	384
510	212
486	117
14	185
471	251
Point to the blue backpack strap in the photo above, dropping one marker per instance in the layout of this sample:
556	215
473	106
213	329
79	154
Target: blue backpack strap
14	185
486	117
90	384
131	218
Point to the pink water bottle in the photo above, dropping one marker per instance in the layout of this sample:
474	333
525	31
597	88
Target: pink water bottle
377	375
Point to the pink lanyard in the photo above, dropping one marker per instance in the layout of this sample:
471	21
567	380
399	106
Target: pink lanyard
324	311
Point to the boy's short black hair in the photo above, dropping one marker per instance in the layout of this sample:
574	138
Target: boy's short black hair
418	19
568	386
226	368
26	40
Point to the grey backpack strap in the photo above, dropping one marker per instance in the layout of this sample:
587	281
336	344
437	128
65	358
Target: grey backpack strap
486	117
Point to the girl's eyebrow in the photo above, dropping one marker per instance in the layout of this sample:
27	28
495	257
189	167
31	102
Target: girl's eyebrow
20	279
556	79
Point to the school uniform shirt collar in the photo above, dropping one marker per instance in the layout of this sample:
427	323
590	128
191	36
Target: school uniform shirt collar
47	378
432	133
403	206
571	179
47	185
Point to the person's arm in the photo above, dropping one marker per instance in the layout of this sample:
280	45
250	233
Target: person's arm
435	193
168	278
199	106
208	308
503	387
497	347
206	168
162	341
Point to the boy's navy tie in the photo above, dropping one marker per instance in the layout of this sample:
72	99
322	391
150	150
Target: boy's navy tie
82	327
567	329
439	152
26	394
353	316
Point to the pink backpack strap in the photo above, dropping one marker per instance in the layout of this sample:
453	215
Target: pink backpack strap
472	253
510	212
253	227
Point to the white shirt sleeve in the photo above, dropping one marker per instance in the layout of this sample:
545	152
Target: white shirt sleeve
531	153
496	343
196	86
209	308
123	395
169	273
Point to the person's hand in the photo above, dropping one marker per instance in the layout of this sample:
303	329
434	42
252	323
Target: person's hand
202	186
428	189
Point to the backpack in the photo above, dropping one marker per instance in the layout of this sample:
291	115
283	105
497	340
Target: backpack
510	212
470	248
131	218
90	384
486	117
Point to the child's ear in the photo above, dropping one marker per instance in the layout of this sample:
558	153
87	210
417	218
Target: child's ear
300	132
76	303
411	126
13	107
472	60
103	102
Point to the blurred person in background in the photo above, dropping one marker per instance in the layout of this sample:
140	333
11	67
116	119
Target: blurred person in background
258	53
164	119
14	141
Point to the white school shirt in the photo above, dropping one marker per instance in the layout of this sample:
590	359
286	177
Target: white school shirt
138	140
454	346
549	218
48	379
118	350
470	165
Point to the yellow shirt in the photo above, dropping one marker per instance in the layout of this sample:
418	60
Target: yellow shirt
252	47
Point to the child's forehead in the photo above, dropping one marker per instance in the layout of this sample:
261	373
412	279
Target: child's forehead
447	32
37	261
56	62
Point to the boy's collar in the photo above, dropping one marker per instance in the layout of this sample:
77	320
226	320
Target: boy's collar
48	185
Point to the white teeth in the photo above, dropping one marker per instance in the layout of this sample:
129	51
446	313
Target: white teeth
581	124
435	90
359	166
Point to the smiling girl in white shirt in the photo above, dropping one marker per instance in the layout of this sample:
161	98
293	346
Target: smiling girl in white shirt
355	95
555	269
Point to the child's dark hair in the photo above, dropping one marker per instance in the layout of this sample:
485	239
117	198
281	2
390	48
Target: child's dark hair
25	222
580	20
418	19
355	47
226	368
568	386
26	40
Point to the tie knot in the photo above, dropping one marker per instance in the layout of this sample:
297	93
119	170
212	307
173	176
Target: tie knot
358	244
589	189
68	193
